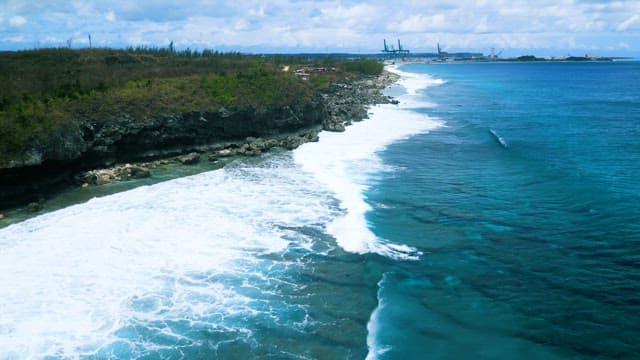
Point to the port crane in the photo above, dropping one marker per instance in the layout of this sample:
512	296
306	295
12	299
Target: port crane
442	54
495	55
390	51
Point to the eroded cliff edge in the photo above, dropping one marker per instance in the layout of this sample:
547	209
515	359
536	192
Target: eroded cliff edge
61	161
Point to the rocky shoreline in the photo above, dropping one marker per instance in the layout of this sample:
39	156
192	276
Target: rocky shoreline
126	150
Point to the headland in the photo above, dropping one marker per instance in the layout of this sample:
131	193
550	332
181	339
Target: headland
84	118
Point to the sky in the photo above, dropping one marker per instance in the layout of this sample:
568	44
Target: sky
543	27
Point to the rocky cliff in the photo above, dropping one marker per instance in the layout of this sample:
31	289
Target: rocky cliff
54	164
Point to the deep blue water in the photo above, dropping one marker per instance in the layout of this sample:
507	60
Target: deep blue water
526	205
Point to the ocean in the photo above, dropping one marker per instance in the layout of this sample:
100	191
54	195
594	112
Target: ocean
492	214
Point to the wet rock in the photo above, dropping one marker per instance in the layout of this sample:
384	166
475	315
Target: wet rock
225	152
258	144
291	142
189	159
334	127
271	143
128	171
100	177
118	173
312	136
33	207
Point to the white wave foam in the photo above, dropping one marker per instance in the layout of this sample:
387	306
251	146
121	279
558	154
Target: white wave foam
344	163
414	82
373	326
413	85
499	138
72	278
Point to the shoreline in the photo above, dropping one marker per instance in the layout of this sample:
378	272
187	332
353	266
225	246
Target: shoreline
346	102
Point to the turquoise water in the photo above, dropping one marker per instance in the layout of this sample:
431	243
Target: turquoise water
493	214
527	208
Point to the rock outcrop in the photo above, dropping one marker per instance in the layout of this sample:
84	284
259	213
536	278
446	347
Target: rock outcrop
346	101
118	173
189	159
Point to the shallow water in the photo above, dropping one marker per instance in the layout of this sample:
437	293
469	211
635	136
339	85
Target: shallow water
75	195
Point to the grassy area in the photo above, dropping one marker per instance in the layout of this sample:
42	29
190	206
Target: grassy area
45	92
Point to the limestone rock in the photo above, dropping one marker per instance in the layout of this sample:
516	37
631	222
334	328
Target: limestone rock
189	159
128	171
118	173
225	152
333	127
100	177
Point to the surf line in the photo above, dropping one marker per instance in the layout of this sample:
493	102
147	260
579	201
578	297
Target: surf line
498	138
345	162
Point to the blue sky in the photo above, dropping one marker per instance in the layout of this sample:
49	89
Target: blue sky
543	27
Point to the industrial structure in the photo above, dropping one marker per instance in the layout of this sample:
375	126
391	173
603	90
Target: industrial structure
442	55
391	52
495	55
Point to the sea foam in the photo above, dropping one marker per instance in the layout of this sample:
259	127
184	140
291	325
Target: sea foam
79	281
346	162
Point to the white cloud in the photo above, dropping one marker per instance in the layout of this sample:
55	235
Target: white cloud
422	23
257	12
17	21
623	45
625	25
332	25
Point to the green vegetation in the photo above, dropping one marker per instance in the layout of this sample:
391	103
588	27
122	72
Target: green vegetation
365	66
47	91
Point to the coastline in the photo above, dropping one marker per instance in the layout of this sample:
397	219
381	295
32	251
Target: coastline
345	103
247	262
294	204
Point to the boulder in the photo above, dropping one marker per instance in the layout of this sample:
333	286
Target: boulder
189	159
225	152
106	176
335	127
34	207
99	177
313	136
131	172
